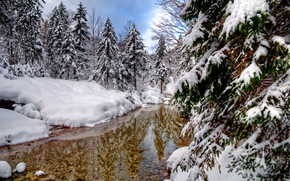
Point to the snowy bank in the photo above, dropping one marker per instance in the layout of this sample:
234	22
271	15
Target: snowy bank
16	128
152	96
63	102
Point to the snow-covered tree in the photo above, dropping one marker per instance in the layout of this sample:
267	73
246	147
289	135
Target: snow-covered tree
6	24
161	49
135	61
58	27
4	18
81	29
68	56
123	34
160	70
109	65
28	23
82	37
51	39
238	88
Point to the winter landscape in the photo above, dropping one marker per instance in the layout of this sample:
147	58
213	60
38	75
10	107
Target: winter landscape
184	90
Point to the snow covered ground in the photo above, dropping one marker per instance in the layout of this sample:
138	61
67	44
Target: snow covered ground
152	96
56	102
16	128
62	102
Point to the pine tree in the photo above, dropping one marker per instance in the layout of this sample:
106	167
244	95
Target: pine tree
160	51
81	34
237	91
4	18
28	23
9	46
108	62
135	57
58	27
69	55
51	39
81	29
160	71
44	40
38	53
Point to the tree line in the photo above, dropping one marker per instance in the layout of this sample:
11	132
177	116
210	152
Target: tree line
68	46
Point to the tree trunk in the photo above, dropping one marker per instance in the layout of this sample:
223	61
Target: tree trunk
107	77
67	69
161	87
135	77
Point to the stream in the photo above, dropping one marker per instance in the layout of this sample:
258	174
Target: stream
132	147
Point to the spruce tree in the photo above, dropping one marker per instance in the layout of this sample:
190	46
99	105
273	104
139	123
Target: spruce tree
44	40
28	23
58	27
81	34
160	70
160	51
237	91
4	18
81	29
51	39
10	44
108	62
68	56
135	58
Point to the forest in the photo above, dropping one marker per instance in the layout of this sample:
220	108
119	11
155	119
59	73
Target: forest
72	44
225	62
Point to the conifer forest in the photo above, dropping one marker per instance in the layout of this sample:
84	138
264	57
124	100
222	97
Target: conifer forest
223	64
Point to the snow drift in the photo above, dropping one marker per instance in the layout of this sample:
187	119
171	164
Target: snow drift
16	128
63	102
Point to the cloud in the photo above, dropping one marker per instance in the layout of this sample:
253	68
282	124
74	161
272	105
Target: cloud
147	36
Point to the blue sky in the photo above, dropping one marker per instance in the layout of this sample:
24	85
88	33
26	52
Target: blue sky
143	12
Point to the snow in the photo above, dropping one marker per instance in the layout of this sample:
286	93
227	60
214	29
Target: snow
170	87
5	170
250	72
39	173
196	32
191	78
213	174
28	110
166	102
223	174
152	96
145	105
266	107
241	11
185	9
262	50
178	175
279	40
20	167
63	102
16	128
176	154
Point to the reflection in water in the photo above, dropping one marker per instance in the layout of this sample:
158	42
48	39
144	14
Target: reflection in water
134	150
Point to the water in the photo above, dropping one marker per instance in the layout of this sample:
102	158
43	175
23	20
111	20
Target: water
132	147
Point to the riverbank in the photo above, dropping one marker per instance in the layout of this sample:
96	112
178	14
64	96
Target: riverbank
133	146
58	102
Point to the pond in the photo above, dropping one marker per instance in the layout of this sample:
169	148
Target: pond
131	147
